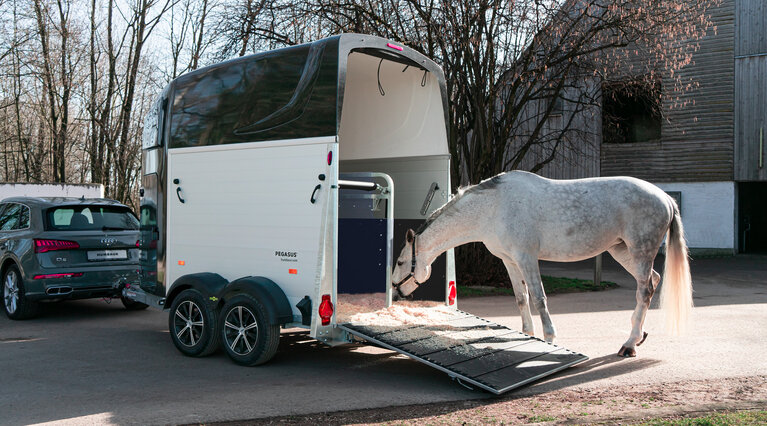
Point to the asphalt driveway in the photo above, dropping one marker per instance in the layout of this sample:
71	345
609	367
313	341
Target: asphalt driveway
92	362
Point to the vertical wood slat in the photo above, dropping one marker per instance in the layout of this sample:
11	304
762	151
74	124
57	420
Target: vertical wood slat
751	116
751	37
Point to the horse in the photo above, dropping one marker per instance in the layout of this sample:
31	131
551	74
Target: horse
522	218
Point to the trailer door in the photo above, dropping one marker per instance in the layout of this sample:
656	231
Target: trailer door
252	209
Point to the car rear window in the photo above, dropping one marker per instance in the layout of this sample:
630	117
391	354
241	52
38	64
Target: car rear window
91	218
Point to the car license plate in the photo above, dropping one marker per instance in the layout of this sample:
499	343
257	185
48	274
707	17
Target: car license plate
107	255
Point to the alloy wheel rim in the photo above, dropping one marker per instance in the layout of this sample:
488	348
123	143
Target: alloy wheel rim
11	292
240	330
189	323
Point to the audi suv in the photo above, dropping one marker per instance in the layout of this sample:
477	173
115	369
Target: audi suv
65	248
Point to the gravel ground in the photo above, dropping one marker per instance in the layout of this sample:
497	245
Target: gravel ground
606	405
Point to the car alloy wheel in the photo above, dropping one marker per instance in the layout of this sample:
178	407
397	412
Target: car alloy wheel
240	330
189	323
11	292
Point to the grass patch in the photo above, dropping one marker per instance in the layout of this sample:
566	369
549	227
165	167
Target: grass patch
715	419
552	285
541	419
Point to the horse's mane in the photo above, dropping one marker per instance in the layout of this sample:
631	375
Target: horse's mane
487	184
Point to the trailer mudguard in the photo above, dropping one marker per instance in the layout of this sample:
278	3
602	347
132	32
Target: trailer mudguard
209	284
267	292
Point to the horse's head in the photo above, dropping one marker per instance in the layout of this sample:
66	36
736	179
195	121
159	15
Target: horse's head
410	271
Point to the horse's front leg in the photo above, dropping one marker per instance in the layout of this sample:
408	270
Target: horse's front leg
528	265
520	293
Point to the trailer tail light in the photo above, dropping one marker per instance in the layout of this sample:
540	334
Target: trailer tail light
69	275
330	157
326	309
394	46
42	246
451	293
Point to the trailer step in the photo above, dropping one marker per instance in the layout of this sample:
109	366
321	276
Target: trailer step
473	350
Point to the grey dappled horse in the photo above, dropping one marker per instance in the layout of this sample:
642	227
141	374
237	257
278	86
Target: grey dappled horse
522	217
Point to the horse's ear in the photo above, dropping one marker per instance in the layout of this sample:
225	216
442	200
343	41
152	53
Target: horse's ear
410	236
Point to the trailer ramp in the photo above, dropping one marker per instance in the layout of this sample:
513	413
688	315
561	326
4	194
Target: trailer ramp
473	351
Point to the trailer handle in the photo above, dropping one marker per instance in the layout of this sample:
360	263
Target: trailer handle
316	188
178	190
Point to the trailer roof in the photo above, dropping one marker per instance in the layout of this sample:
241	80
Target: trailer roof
289	93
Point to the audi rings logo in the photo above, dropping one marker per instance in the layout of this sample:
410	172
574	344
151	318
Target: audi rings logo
108	241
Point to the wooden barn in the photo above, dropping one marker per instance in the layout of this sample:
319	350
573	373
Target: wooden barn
708	154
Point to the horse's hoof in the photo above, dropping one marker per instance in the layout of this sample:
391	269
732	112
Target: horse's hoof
643	339
627	352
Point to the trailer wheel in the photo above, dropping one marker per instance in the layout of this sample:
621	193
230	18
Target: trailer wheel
192	324
247	334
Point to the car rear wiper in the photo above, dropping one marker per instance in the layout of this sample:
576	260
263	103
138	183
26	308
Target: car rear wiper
114	228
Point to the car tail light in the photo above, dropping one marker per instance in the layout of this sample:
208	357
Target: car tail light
137	243
326	309
69	275
451	293
41	246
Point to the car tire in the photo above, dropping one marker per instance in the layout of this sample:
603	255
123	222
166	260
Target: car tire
192	324
132	305
247	334
15	302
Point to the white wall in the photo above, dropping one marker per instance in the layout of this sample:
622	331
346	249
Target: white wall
708	213
51	190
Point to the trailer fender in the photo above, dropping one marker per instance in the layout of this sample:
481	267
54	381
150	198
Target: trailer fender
267	292
208	284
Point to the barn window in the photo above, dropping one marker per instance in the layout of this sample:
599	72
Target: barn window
631	111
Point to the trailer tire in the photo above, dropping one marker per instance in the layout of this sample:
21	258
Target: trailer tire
192	324
247	334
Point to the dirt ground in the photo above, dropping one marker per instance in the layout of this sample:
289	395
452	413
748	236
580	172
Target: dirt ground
568	406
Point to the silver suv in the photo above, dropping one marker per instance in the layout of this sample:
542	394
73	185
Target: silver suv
65	248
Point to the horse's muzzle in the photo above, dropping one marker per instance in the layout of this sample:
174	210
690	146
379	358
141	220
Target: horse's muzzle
405	288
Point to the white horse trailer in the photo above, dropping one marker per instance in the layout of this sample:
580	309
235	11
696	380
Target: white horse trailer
269	188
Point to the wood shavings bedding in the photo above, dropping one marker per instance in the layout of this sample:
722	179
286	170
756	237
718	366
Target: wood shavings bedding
370	309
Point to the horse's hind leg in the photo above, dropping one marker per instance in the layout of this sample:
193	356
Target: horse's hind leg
532	276
520	293
639	265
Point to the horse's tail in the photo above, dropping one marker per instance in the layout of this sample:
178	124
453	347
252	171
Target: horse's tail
676	292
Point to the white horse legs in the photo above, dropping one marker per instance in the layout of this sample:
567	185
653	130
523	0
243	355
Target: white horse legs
532	276
640	267
520	293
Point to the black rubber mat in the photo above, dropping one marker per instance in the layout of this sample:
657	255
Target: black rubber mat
473	350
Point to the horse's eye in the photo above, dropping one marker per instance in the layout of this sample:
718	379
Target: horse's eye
399	263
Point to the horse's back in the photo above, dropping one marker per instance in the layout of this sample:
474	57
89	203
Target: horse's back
581	217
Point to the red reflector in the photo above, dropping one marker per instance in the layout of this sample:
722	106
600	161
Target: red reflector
330	157
451	293
181	262
70	275
41	246
394	46
293	271
326	309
